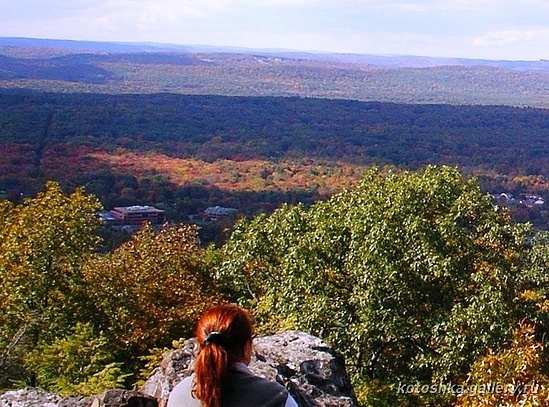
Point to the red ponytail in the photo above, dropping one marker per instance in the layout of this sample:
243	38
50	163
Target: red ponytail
223	332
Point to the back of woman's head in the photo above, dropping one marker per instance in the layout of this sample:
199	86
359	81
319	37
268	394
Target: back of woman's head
224	333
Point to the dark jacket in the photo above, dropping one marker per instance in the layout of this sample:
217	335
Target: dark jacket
241	388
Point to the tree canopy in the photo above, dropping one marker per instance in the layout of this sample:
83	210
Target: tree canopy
73	319
43	243
151	289
411	275
415	277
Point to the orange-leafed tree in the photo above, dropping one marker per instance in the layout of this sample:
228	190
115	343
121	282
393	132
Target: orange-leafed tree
151	290
516	376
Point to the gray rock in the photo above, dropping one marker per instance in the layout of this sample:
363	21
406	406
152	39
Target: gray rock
124	398
29	397
76	401
311	370
313	373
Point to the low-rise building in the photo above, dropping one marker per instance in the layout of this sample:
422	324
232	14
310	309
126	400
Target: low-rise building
218	212
134	215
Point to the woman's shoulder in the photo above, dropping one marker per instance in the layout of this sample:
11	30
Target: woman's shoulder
181	395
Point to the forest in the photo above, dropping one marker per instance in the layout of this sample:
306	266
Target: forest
187	152
115	69
415	277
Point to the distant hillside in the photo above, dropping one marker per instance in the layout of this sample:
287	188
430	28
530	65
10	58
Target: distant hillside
61	66
190	127
401	61
506	139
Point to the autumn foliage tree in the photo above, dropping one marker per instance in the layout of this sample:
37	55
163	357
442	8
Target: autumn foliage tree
43	242
516	376
73	320
411	276
150	290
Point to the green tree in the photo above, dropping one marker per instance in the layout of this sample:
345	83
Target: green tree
42	244
80	363
410	275
533	289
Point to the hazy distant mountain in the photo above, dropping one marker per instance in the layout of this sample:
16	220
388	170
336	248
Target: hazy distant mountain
75	46
377	60
104	67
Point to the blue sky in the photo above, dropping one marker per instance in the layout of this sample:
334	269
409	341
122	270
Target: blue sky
490	29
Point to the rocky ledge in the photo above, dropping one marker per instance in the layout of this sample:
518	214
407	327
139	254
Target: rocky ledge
309	368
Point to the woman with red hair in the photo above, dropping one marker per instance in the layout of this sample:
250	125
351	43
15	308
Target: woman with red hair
221	376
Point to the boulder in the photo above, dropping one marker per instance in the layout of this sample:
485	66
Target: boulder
30	397
123	398
309	368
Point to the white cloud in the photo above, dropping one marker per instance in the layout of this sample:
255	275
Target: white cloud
475	28
529	43
500	38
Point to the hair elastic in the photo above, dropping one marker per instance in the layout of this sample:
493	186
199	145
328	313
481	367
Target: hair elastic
215	337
